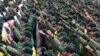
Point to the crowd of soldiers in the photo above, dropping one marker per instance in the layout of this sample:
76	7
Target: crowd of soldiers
16	28
70	27
49	27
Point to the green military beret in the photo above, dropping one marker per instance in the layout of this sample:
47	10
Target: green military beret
91	24
97	34
27	50
70	48
27	43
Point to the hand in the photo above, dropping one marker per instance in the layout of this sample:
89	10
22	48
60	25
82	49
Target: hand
49	32
89	48
9	37
40	31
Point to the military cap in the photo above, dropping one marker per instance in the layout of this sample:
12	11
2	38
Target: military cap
27	15
71	12
88	2
29	29
25	19
33	10
94	29
28	25
27	50
97	34
5	1
62	33
70	48
18	2
12	50
50	12
27	54
62	23
82	23
57	13
27	43
37	13
5	18
96	13
30	6
61	30
9	16
65	38
92	24
28	33
70	1
90	11
75	54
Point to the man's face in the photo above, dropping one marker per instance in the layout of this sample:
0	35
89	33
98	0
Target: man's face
91	33
65	53
23	37
82	27
14	9
22	22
